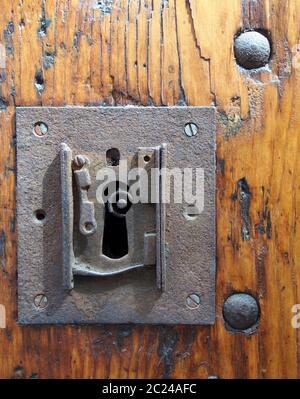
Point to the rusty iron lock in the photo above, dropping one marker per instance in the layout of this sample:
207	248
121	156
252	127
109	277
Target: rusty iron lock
114	247
116	260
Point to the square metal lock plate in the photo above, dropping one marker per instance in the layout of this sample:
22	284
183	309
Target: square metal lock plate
81	260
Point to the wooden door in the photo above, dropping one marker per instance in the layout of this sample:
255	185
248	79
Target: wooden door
168	52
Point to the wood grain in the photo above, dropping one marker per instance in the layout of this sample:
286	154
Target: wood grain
168	52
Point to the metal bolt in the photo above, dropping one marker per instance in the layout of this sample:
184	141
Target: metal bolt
241	311
193	301
191	129
40	129
41	301
252	50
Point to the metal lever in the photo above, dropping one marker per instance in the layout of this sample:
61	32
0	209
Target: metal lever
87	221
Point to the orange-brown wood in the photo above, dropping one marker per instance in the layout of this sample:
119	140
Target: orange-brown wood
167	52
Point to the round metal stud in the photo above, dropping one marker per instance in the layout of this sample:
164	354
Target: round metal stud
119	203
122	203
241	311
252	50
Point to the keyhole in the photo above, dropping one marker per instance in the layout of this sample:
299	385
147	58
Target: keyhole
115	234
115	237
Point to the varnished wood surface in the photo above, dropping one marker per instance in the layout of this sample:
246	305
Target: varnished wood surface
168	52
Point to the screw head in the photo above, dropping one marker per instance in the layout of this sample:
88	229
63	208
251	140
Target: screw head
241	312
252	50
40	129
193	301
41	301
191	129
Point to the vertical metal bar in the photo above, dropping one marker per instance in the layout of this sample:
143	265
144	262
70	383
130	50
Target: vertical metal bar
158	216
162	216
67	215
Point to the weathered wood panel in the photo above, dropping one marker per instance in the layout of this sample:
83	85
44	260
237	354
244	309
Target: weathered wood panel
168	52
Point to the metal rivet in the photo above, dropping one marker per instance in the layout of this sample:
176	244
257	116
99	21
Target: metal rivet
40	129
89	226
41	301
241	311
122	203
191	129
193	301
252	50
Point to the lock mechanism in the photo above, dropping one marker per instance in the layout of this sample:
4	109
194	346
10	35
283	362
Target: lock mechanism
116	215
129	236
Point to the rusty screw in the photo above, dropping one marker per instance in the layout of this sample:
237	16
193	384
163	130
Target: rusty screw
191	129
40	129
41	301
193	301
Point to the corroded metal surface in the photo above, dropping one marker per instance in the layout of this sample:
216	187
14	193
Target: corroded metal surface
252	50
241	312
189	242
